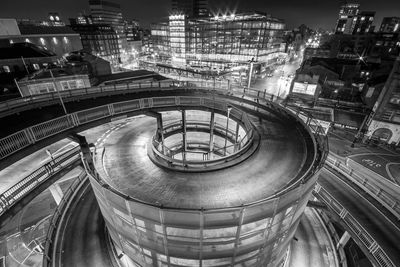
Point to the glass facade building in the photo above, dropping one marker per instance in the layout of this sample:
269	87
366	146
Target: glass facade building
218	43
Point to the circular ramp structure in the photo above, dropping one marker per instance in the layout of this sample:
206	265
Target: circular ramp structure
216	185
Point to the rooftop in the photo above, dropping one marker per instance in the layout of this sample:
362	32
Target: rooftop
26	50
27	29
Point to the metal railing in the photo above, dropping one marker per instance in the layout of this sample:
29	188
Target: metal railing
36	133
382	192
57	218
377	253
253	99
21	139
38	176
166	153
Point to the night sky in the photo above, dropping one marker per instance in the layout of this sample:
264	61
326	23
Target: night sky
314	13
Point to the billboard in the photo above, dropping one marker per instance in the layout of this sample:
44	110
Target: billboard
304	88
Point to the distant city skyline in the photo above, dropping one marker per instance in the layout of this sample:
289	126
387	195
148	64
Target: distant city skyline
309	12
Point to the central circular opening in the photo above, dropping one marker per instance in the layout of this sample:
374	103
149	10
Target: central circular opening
203	140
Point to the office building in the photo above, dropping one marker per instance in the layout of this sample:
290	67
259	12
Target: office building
100	40
352	21
218	43
109	13
191	8
362	23
390	25
346	14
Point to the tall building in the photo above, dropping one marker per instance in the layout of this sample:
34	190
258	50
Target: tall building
218	43
352	21
107	12
362	23
390	25
384	123
191	8
99	40
346	14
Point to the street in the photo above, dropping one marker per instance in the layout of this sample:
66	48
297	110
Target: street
276	85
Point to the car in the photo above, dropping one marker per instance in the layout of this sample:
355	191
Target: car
270	74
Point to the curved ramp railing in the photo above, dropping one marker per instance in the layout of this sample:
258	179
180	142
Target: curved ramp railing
375	250
15	193
381	190
57	218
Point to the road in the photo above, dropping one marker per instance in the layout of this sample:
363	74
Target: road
277	161
84	237
374	222
311	248
19	239
275	85
20	169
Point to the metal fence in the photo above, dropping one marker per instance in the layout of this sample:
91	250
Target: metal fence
58	218
381	190
38	176
355	227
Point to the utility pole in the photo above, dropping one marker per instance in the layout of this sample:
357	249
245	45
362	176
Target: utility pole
58	92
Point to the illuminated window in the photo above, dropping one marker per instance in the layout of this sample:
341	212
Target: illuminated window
11	41
36	66
42	41
65	40
27	40
51	18
55	40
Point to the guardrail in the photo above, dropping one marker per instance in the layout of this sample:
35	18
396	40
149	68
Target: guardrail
28	136
377	253
58	218
38	176
383	194
29	102
165	153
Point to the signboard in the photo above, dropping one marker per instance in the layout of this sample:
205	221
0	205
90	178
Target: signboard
304	88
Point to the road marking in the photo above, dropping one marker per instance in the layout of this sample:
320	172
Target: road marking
389	173
387	219
371	153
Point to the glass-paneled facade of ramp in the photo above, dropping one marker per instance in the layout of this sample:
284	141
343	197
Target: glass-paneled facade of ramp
257	234
219	42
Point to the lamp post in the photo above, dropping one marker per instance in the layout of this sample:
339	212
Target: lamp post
58	92
226	130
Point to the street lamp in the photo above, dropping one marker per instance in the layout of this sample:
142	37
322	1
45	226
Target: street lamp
58	92
226	130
